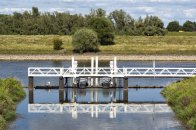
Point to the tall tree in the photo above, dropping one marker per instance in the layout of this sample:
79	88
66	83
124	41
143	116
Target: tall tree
104	29
35	11
122	21
173	26
188	26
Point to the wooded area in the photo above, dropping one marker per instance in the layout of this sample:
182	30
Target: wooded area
45	23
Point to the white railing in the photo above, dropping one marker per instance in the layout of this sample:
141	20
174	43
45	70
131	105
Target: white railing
95	109
110	72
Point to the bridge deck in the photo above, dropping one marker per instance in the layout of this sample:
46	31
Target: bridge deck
110	72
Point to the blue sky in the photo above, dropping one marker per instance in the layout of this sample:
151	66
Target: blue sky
167	10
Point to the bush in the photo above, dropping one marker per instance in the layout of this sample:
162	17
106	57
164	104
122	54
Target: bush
2	123
85	40
104	29
57	44
181	96
11	92
154	31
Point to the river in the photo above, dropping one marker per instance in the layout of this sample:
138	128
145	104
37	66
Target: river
84	121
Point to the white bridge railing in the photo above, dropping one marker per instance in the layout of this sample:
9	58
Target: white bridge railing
95	109
110	72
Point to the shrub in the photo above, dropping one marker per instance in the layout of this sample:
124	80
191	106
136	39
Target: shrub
85	40
57	44
181	96
2	123
11	92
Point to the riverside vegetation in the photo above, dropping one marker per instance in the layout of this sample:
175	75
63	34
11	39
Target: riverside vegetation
181	96
43	44
11	92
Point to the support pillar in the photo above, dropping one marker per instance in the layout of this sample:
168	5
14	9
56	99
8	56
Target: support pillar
31	88
114	82
66	81
125	91
61	89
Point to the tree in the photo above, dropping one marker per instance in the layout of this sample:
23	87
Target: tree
188	26
122	21
173	26
98	13
153	26
35	11
104	29
85	40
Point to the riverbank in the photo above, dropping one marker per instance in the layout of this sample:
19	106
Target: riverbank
124	45
11	92
101	57
181	96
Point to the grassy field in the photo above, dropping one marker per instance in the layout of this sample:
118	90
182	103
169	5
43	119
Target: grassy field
181	34
181	97
40	44
11	92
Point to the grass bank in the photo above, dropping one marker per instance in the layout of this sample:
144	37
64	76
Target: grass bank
181	96
181	34
11	92
135	45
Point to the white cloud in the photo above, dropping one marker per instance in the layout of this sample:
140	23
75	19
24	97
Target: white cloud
190	13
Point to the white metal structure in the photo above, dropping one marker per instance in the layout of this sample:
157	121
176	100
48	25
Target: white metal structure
113	71
95	109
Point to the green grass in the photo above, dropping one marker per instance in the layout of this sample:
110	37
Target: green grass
40	44
11	92
181	96
181	34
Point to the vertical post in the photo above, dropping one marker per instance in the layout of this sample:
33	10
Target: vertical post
125	91
154	65
96	66
72	62
115	65
61	89
92	70
31	95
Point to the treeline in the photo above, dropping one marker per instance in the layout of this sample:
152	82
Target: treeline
188	26
37	23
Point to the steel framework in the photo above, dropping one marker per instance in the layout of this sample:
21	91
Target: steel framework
95	109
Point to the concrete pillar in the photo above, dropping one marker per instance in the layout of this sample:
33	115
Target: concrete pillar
66	81
31	88
114	82
125	91
61	89
125	83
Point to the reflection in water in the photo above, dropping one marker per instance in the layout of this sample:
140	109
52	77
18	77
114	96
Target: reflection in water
95	109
